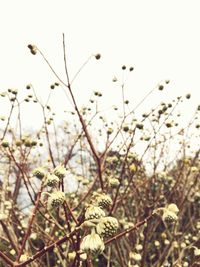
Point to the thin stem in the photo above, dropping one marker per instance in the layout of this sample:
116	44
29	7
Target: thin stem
30	223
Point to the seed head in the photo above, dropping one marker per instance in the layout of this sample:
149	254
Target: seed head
109	131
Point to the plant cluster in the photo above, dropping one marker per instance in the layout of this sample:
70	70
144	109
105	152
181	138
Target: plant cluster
99	192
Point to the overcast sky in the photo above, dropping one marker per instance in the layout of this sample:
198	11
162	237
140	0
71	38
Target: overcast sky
159	38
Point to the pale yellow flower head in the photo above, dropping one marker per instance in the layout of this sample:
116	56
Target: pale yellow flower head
56	199
94	212
92	244
107	226
60	171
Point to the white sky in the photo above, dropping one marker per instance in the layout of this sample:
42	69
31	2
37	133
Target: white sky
160	38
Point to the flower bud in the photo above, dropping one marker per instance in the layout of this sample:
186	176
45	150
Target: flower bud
132	168
98	56
56	199
23	257
173	208
39	173
139	247
94	212
103	201
135	256
83	256
197	252
107	226
114	182
52	180
60	171
92	244
71	255
5	143
33	49
169	216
